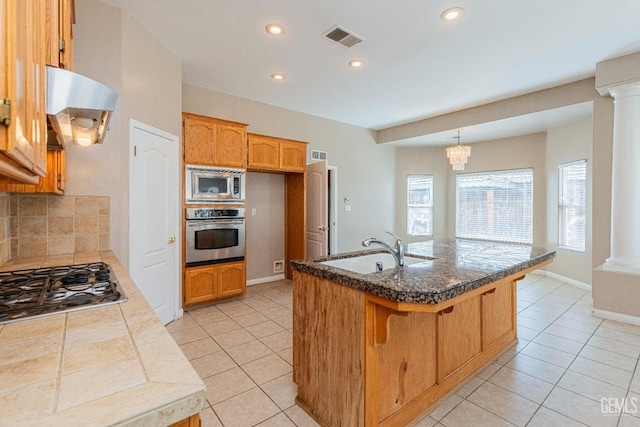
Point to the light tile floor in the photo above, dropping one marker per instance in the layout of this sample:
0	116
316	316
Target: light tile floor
568	369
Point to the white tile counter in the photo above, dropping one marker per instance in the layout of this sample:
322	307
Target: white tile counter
103	366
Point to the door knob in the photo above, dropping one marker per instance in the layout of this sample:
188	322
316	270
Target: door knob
171	240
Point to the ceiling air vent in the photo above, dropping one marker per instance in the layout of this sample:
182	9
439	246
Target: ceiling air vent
318	156
342	36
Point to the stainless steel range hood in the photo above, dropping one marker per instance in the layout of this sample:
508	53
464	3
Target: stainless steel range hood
78	107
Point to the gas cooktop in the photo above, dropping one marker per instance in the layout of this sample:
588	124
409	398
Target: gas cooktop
44	291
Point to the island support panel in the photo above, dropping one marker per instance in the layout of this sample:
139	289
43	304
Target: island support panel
362	360
328	350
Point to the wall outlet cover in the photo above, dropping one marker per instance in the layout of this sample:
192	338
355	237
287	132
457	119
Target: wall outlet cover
278	266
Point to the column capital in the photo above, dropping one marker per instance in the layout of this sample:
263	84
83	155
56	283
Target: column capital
617	72
627	89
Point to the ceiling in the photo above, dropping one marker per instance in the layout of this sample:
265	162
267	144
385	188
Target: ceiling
415	64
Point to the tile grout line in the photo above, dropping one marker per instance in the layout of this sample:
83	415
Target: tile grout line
278	305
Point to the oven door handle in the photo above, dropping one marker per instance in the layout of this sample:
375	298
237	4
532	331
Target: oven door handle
201	222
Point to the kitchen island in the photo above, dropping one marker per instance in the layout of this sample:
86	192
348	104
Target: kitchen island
383	348
101	366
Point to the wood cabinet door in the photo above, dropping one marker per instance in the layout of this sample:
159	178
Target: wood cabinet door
231	146
60	16
497	313
199	137
293	156
61	170
232	279
53	32
200	284
402	374
459	335
67	17
54	182
264	153
24	54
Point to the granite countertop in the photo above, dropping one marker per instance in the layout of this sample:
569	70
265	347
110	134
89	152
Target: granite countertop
452	267
102	366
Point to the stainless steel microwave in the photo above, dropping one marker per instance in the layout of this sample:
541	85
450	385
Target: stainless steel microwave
205	184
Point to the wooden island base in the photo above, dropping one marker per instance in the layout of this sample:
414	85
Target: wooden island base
362	360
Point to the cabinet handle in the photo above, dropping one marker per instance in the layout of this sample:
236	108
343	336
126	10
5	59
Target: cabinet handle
171	240
490	291
447	310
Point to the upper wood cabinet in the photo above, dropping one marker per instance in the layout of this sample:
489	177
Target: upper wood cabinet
268	153
60	15
22	93
54	182
34	33
214	142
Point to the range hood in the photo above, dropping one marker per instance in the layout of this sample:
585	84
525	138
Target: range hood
78	107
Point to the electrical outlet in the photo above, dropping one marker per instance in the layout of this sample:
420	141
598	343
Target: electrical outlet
347	208
253	211
278	266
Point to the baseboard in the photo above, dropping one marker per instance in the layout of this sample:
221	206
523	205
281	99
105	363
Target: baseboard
564	279
618	317
265	280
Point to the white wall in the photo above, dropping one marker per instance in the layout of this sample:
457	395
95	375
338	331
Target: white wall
566	144
515	153
98	170
366	171
113	49
422	161
542	152
265	229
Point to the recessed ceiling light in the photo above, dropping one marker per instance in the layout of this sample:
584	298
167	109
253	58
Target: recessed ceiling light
452	14
277	76
275	29
355	63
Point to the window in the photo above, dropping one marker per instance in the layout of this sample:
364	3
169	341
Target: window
572	204
495	206
420	205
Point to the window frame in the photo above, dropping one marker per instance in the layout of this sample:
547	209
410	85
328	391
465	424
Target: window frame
428	206
529	239
563	207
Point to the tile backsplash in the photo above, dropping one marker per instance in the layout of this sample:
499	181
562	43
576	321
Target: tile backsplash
42	225
5	228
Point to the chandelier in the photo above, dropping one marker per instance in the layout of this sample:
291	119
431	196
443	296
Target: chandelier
458	155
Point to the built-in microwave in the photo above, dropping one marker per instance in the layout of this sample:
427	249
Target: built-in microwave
204	184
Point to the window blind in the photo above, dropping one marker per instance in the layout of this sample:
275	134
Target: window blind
495	206
420	205
572	203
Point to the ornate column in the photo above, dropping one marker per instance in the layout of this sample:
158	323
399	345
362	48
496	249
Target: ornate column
625	191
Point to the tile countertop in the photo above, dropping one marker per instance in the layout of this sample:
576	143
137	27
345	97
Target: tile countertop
452	267
103	366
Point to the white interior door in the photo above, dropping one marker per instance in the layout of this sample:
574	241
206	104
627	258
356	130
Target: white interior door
154	237
317	225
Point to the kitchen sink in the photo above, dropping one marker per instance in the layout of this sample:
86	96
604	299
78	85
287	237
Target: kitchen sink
366	264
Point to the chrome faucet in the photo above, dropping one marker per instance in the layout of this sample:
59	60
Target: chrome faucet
397	251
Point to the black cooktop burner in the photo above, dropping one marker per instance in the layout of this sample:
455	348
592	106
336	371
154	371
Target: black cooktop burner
41	291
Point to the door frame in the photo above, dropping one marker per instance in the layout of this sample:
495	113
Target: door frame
332	196
175	154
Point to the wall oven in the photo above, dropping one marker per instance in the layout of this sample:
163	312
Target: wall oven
214	235
205	184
